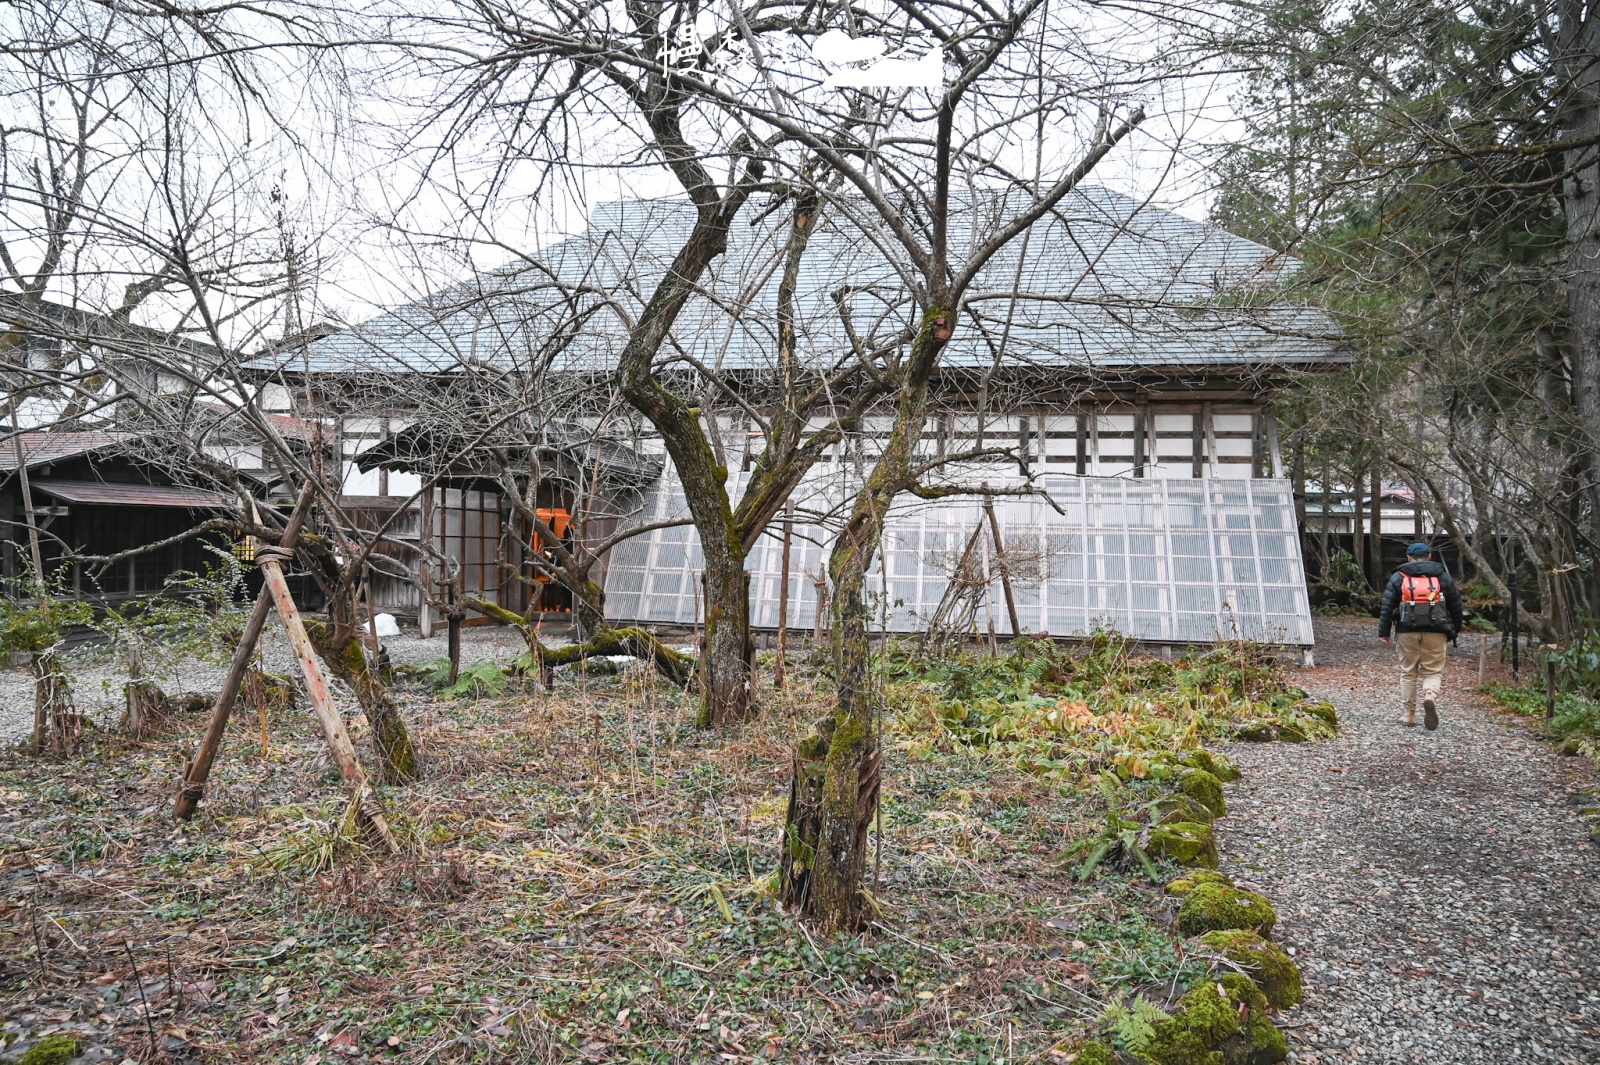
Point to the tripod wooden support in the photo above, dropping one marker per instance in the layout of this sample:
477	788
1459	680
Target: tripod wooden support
276	591
344	751
198	770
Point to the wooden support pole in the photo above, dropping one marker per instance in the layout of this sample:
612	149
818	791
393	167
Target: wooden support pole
988	599
199	768
27	512
1208	415
1375	540
1000	563
783	595
344	751
1274	451
1483	659
425	567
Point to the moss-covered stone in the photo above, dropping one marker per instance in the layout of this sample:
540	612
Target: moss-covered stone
1258	1042
1180	807
1193	879
54	1049
1084	1052
813	746
1255	731
1219	1022
1212	907
1185	842
1204	788
1273	971
1322	709
1212	763
1291	731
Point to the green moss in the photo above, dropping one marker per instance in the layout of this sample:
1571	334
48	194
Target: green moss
1292	732
1191	880
1181	807
51	1050
1084	1052
1322	709
1212	763
1273	971
1204	788
1185	842
1210	907
1219	1022
1255	732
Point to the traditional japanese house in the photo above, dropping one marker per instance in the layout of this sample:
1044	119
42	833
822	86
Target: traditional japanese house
1117	367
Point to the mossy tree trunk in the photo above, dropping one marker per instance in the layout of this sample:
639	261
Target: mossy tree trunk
728	531
726	677
832	829
603	639
340	647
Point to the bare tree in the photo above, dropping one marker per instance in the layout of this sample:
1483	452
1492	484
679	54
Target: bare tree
146	235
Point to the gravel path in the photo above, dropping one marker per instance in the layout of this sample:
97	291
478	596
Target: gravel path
1440	889
97	681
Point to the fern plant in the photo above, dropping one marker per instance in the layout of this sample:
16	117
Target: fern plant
1123	838
1134	1027
477	680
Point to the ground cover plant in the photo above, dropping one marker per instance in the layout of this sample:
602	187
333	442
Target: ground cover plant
1574	727
587	876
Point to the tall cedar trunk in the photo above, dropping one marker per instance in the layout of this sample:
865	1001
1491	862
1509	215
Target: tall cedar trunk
825	838
340	647
1375	541
1579	44
1358	542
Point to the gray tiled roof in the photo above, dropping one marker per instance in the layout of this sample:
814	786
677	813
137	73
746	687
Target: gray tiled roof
1103	283
42	449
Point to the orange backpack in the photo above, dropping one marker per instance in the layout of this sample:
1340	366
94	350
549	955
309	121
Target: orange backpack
1422	602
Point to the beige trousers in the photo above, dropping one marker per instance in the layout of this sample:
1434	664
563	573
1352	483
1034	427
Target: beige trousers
1421	658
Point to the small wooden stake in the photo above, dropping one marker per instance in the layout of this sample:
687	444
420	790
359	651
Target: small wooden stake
1483	659
453	635
1000	563
198	770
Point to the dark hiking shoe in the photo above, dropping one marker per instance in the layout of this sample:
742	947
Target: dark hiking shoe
1430	715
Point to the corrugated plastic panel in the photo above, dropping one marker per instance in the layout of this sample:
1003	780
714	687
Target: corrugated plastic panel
1178	561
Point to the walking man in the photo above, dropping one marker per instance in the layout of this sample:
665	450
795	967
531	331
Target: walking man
1423	607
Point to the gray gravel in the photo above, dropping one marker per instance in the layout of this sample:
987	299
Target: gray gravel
97	679
1440	890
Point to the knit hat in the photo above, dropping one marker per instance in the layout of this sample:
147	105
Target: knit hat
1418	549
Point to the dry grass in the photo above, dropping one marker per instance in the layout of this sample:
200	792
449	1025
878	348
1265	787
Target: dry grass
586	877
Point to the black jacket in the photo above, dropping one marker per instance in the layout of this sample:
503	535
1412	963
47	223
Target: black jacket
1389	616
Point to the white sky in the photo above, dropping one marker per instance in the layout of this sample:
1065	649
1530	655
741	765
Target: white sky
345	182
